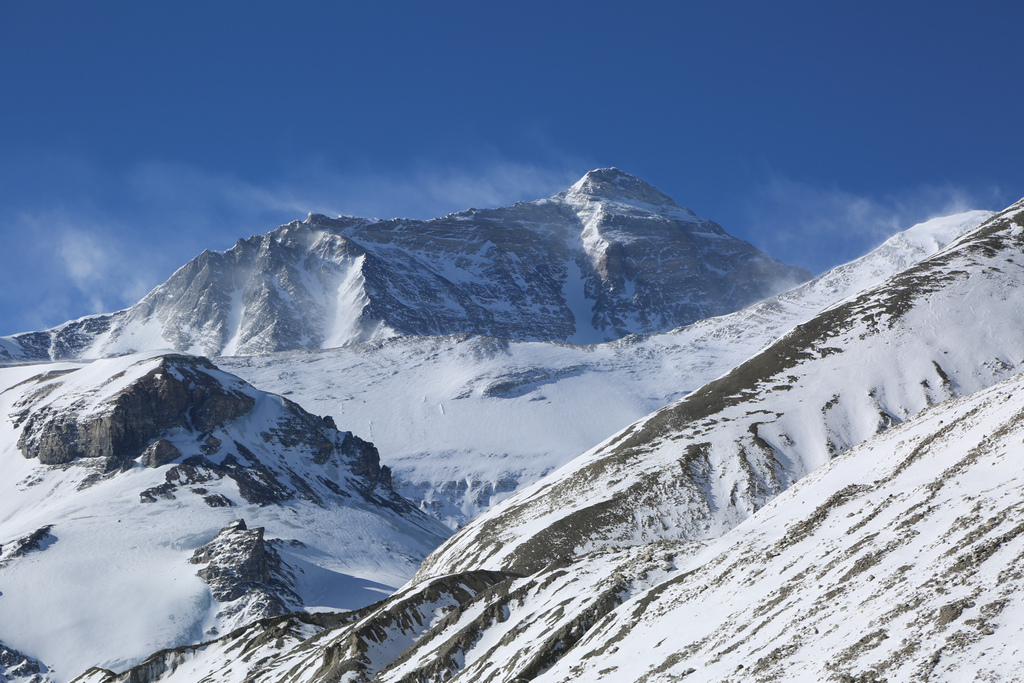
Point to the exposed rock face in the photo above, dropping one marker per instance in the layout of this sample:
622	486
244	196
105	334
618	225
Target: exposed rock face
608	257
159	453
65	341
247	575
178	394
181	395
172	408
39	539
364	461
15	666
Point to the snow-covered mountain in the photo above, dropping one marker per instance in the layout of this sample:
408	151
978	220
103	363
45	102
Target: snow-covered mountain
165	502
844	505
948	326
607	257
465	421
152	500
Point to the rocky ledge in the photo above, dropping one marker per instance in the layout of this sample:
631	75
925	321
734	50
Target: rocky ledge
179	393
201	425
246	575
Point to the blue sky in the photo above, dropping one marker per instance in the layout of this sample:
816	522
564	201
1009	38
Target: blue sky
133	135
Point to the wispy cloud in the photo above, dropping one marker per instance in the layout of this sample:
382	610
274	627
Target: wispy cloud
88	263
422	191
821	226
65	267
429	191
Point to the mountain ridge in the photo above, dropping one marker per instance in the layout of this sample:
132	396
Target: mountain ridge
577	266
545	583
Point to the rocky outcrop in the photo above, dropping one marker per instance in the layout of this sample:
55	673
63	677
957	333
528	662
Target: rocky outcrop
180	393
346	646
172	412
16	666
40	539
255	482
159	453
364	462
246	575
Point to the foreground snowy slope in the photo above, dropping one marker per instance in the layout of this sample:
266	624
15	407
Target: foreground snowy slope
902	559
153	500
607	257
465	421
898	559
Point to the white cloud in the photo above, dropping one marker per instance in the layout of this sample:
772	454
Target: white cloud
422	191
821	226
67	266
86	259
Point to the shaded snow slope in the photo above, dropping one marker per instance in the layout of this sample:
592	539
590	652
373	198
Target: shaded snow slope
899	559
608	257
948	326
120	474
466	421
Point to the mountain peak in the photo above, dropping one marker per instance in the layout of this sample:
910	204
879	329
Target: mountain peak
617	185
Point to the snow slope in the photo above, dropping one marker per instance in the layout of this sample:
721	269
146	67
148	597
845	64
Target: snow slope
900	559
117	472
466	421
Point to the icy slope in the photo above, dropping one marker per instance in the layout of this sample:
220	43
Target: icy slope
901	559
465	421
607	257
948	326
152	500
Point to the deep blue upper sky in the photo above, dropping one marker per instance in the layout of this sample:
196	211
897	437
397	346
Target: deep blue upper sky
134	135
